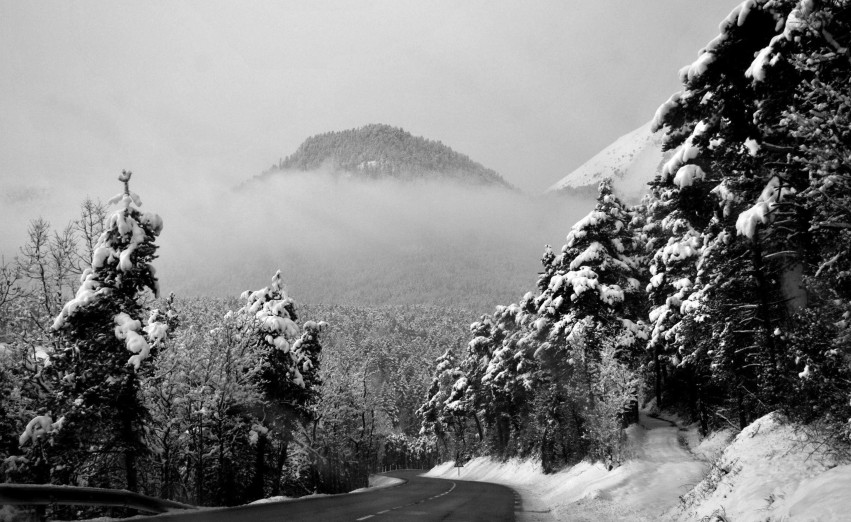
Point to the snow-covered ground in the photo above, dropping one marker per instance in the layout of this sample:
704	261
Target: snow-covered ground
772	471
647	485
767	472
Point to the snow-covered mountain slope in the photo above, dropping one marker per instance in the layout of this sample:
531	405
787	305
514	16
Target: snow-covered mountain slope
631	161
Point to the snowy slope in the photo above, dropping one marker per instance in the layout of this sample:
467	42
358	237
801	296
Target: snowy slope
642	489
631	161
771	470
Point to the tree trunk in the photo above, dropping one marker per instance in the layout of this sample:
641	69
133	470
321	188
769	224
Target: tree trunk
702	413
165	471
743	417
279	467
256	489
199	466
657	367
478	427
128	410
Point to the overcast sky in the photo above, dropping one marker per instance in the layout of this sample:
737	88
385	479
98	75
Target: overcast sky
179	91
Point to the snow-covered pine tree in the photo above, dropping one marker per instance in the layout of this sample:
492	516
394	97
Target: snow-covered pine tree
805	207
589	295
730	128
289	375
440	416
592	286
709	123
509	379
495	379
94	396
820	125
673	245
468	394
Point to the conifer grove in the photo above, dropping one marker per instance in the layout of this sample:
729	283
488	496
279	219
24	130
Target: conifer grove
725	295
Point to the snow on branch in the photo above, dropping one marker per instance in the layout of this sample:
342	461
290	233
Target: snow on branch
663	111
127	330
39	427
795	24
761	212
685	152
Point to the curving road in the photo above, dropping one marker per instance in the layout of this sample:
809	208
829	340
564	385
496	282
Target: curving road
419	499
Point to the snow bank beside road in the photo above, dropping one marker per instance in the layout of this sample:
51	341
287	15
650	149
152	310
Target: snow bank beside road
769	471
641	489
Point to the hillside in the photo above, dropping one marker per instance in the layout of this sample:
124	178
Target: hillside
631	161
380	151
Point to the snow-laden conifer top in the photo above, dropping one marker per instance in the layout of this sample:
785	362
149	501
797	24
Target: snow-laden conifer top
114	262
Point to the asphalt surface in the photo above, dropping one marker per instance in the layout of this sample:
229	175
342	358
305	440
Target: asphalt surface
419	499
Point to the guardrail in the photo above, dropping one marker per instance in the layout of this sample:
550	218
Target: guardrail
45	494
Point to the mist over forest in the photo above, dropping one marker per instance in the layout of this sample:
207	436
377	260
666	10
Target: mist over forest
367	243
357	242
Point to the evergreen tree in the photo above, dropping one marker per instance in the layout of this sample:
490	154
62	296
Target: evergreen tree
94	381
510	379
439	416
590	291
746	178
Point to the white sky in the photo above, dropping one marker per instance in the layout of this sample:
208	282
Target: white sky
180	91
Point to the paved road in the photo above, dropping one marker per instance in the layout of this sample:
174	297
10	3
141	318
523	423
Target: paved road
419	499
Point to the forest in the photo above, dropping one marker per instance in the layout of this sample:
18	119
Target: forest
209	401
379	151
725	295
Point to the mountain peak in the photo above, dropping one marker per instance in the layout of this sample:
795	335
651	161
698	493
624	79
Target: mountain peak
631	161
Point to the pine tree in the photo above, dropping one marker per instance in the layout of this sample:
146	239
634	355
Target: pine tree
509	379
590	291
95	383
748	178
589	296
439	416
289	375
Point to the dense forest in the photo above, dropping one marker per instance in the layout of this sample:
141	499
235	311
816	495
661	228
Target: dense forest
725	295
381	151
